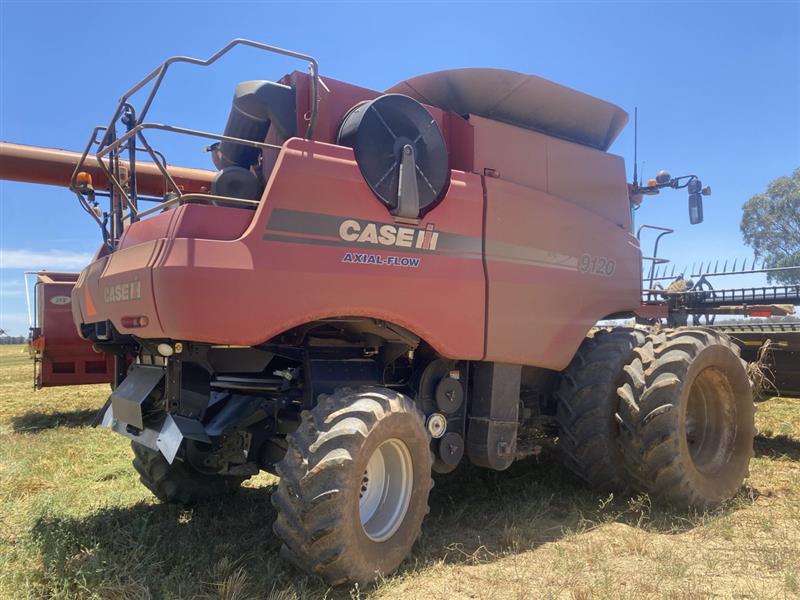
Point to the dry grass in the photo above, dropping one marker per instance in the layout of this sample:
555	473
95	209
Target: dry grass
75	523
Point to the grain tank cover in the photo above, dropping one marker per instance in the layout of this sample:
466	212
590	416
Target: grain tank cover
523	100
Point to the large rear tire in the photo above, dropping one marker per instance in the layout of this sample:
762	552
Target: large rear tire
587	406
178	483
687	417
354	485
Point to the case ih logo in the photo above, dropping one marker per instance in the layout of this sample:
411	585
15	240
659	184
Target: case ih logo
122	292
389	235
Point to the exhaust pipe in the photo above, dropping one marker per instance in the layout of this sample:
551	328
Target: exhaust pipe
257	106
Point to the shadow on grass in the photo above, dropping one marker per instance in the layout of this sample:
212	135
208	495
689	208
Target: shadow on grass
33	421
157	550
479	515
160	550
777	446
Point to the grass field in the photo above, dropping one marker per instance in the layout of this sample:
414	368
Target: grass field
75	523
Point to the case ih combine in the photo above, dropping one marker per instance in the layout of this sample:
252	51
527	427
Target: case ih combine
376	286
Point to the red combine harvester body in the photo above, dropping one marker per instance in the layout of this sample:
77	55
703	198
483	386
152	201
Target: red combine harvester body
61	356
374	286
210	274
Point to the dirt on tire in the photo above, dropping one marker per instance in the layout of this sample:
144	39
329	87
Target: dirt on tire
686	416
178	483
317	499
587	406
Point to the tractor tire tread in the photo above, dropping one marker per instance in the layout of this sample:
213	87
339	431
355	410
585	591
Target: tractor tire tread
587	397
178	483
650	415
316	469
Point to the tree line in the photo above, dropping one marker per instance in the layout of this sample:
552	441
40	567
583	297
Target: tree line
771	227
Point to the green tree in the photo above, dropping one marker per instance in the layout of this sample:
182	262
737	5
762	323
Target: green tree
771	226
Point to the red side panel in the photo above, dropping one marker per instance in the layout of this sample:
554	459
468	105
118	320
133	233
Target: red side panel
318	246
199	221
62	356
338	97
554	270
294	264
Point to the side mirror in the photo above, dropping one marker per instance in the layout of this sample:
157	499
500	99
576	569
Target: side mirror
695	208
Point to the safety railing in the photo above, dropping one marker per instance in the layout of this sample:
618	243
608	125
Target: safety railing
109	148
654	260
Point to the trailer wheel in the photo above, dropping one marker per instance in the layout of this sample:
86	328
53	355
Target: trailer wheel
178	483
587	405
354	485
687	418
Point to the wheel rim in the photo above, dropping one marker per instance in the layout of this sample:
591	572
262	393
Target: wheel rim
710	422
385	490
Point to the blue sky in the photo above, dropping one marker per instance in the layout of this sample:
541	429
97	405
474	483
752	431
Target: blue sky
717	85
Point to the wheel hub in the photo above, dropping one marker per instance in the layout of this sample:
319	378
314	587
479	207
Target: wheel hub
385	490
710	421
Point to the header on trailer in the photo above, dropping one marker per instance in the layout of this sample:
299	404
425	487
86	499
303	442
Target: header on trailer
60	355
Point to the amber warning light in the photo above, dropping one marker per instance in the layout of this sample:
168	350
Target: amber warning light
83	179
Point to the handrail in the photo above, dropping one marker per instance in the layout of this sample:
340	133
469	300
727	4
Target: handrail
174	129
161	71
196	197
136	131
110	146
666	230
655	259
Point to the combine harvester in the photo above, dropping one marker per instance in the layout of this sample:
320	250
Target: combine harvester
372	287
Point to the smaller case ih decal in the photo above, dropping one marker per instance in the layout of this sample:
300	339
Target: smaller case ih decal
122	292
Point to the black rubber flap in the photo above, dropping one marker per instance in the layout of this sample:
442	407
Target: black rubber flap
378	130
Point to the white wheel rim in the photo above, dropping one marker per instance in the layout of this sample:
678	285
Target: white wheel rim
385	490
